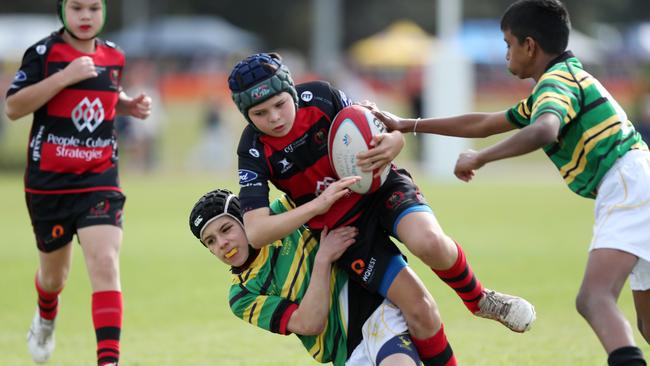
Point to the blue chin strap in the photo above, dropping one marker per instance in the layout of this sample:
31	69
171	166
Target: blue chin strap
60	5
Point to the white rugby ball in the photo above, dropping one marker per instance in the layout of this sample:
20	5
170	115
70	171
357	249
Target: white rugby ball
351	133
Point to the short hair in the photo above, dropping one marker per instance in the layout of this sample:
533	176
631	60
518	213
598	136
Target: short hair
545	21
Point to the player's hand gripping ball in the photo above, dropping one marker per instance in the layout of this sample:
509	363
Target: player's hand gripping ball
351	133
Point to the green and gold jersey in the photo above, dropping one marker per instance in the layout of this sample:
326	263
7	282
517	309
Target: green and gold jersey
594	129
266	293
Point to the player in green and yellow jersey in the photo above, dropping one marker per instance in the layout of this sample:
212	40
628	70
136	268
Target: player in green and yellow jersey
589	138
291	286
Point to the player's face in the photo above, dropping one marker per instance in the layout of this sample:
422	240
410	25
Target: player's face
518	55
226	240
274	117
84	18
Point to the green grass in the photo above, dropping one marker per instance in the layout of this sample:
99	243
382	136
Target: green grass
524	238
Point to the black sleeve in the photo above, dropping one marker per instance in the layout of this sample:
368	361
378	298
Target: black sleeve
322	95
31	69
254	173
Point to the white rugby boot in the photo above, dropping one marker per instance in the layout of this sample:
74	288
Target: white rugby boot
514	312
40	338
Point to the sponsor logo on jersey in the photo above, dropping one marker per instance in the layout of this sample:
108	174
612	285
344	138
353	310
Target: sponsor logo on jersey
41	49
296	144
246	176
285	165
35	144
306	96
254	153
88	114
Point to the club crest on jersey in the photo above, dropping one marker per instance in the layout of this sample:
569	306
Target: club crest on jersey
246	176
88	114
260	92
114	75
254	153
41	48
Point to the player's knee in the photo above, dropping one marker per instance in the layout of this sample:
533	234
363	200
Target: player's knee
104	267
427	243
54	281
422	316
585	304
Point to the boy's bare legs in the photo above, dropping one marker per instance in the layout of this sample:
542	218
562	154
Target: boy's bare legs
606	273
410	295
50	278
101	246
642	304
420	311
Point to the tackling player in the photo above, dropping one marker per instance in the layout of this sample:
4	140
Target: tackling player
291	286
590	140
70	81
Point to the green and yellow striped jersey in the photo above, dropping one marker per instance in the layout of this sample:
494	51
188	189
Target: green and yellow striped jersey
266	292
594	129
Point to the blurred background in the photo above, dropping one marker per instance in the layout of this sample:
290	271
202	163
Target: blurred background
428	58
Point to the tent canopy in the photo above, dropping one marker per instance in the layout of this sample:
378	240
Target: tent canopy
402	44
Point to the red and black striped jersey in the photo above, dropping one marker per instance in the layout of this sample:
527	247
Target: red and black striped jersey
72	143
297	163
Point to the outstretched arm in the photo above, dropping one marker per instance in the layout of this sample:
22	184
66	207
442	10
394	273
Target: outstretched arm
263	228
541	133
465	125
310	318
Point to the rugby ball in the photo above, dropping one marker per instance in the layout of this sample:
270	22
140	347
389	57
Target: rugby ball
351	133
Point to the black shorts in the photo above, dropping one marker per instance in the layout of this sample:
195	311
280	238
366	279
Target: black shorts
368	259
57	217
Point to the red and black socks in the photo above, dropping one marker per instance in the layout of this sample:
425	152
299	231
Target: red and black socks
461	278
48	302
107	319
435	350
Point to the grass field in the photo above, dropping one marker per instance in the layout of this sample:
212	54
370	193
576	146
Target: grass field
524	238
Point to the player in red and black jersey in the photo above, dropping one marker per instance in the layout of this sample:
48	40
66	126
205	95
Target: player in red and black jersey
70	81
285	143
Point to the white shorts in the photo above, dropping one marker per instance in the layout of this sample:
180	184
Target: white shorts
622	213
385	323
